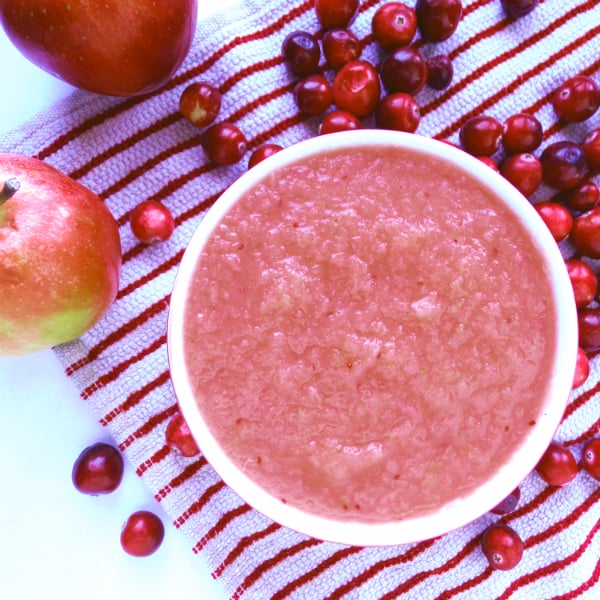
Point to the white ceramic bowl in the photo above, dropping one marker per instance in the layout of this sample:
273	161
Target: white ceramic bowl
517	466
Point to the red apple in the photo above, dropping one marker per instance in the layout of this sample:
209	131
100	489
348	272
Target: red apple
108	47
60	256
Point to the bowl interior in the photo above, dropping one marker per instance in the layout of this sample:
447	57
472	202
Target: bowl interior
518	463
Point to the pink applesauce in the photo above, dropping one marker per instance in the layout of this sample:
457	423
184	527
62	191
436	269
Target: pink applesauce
369	333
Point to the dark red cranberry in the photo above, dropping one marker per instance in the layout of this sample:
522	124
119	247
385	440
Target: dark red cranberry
502	546
585	233
582	197
583	280
558	219
336	13
339	120
394	24
404	70
515	9
142	533
577	99
339	47
439	71
563	165
481	135
224	143
313	94
302	52
357	88
508	504
590	458
399	112
582	369
179	437
437	20
588	320
263	152
591	148
200	103
524	171
522	133
98	470
557	466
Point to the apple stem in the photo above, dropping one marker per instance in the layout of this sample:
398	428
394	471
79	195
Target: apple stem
9	189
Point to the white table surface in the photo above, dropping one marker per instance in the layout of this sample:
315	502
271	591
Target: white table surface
54	541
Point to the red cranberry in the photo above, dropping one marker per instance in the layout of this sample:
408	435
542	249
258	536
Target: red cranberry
481	135
582	368
356	88
588	320
524	171
522	133
302	52
404	70
179	437
339	120
583	280
142	533
590	458
563	165
336	13
585	233
591	148
263	152
577	99
583	197
394	24
439	71
558	466
313	94
508	504
151	222
557	218
399	112
200	103
490	162
224	143
502	546
437	20
516	9
340	46
98	470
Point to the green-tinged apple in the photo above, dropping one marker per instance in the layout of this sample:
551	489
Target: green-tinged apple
60	256
112	47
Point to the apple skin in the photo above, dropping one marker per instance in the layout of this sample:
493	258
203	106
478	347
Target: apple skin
60	257
111	47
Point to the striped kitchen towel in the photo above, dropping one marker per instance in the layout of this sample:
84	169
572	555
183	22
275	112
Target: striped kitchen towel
127	150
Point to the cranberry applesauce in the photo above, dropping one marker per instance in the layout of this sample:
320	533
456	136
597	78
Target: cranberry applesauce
369	332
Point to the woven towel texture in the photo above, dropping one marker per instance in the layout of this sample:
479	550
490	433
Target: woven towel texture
129	150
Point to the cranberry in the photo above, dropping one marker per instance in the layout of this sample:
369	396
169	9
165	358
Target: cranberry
98	470
263	152
582	368
336	13
404	70
590	458
151	222
558	466
577	99
563	165
518	8
394	24
142	533
179	437
339	120
490	162
524	171
439	71
481	135
583	280
591	148
588	320
224	143
508	504
313	95
583	197
200	103
356	88
502	546
585	234
340	46
398	111
437	20
302	52
522	133
557	218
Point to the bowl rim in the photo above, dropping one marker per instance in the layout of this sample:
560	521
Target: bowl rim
456	513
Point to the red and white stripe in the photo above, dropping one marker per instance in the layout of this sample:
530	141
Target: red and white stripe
128	150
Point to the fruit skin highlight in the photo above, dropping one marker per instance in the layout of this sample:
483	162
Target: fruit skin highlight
60	256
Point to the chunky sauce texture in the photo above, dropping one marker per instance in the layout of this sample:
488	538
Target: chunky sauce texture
369	334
